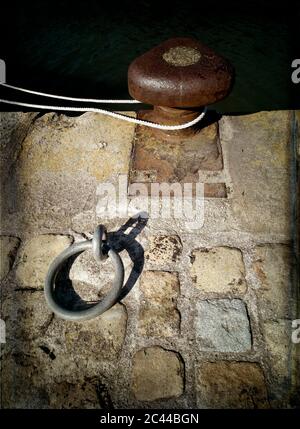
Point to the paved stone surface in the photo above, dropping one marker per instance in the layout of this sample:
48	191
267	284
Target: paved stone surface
26	315
68	395
235	385
163	250
277	336
19	384
219	270
223	325
8	250
257	150
156	374
158	315
272	266
297	116
101	338
14	127
60	162
26	387
36	256
182	336
90	278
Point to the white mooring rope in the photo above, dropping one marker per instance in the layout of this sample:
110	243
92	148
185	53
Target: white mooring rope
61	97
96	110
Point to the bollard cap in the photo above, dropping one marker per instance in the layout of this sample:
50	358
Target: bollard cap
180	72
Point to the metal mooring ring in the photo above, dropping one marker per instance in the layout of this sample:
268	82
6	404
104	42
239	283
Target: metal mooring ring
99	241
94	310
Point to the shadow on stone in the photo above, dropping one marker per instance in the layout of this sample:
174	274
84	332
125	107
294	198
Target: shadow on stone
123	239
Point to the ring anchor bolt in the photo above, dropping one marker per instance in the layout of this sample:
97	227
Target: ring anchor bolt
100	245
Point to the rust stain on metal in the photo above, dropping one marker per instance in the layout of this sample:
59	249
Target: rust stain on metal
157	160
215	190
177	161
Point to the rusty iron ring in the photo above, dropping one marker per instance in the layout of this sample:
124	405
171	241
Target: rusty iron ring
92	310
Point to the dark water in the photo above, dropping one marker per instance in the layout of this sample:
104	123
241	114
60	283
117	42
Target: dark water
85	50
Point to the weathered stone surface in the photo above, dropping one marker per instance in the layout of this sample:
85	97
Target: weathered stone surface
219	270
8	249
63	137
91	279
223	325
157	374
36	256
37	375
102	337
163	249
14	127
79	396
273	268
87	270
26	315
277	336
161	287
50	169
59	165
231	385
20	384
257	149
297	114
34	378
158	315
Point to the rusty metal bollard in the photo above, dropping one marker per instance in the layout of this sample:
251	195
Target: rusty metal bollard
178	77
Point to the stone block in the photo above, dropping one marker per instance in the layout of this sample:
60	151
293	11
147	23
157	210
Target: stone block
157	374
21	385
222	325
79	396
257	152
26	315
277	336
231	385
101	338
36	257
219	270
158	315
8	250
272	266
163	250
59	164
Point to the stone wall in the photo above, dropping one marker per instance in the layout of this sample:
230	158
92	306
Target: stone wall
205	316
